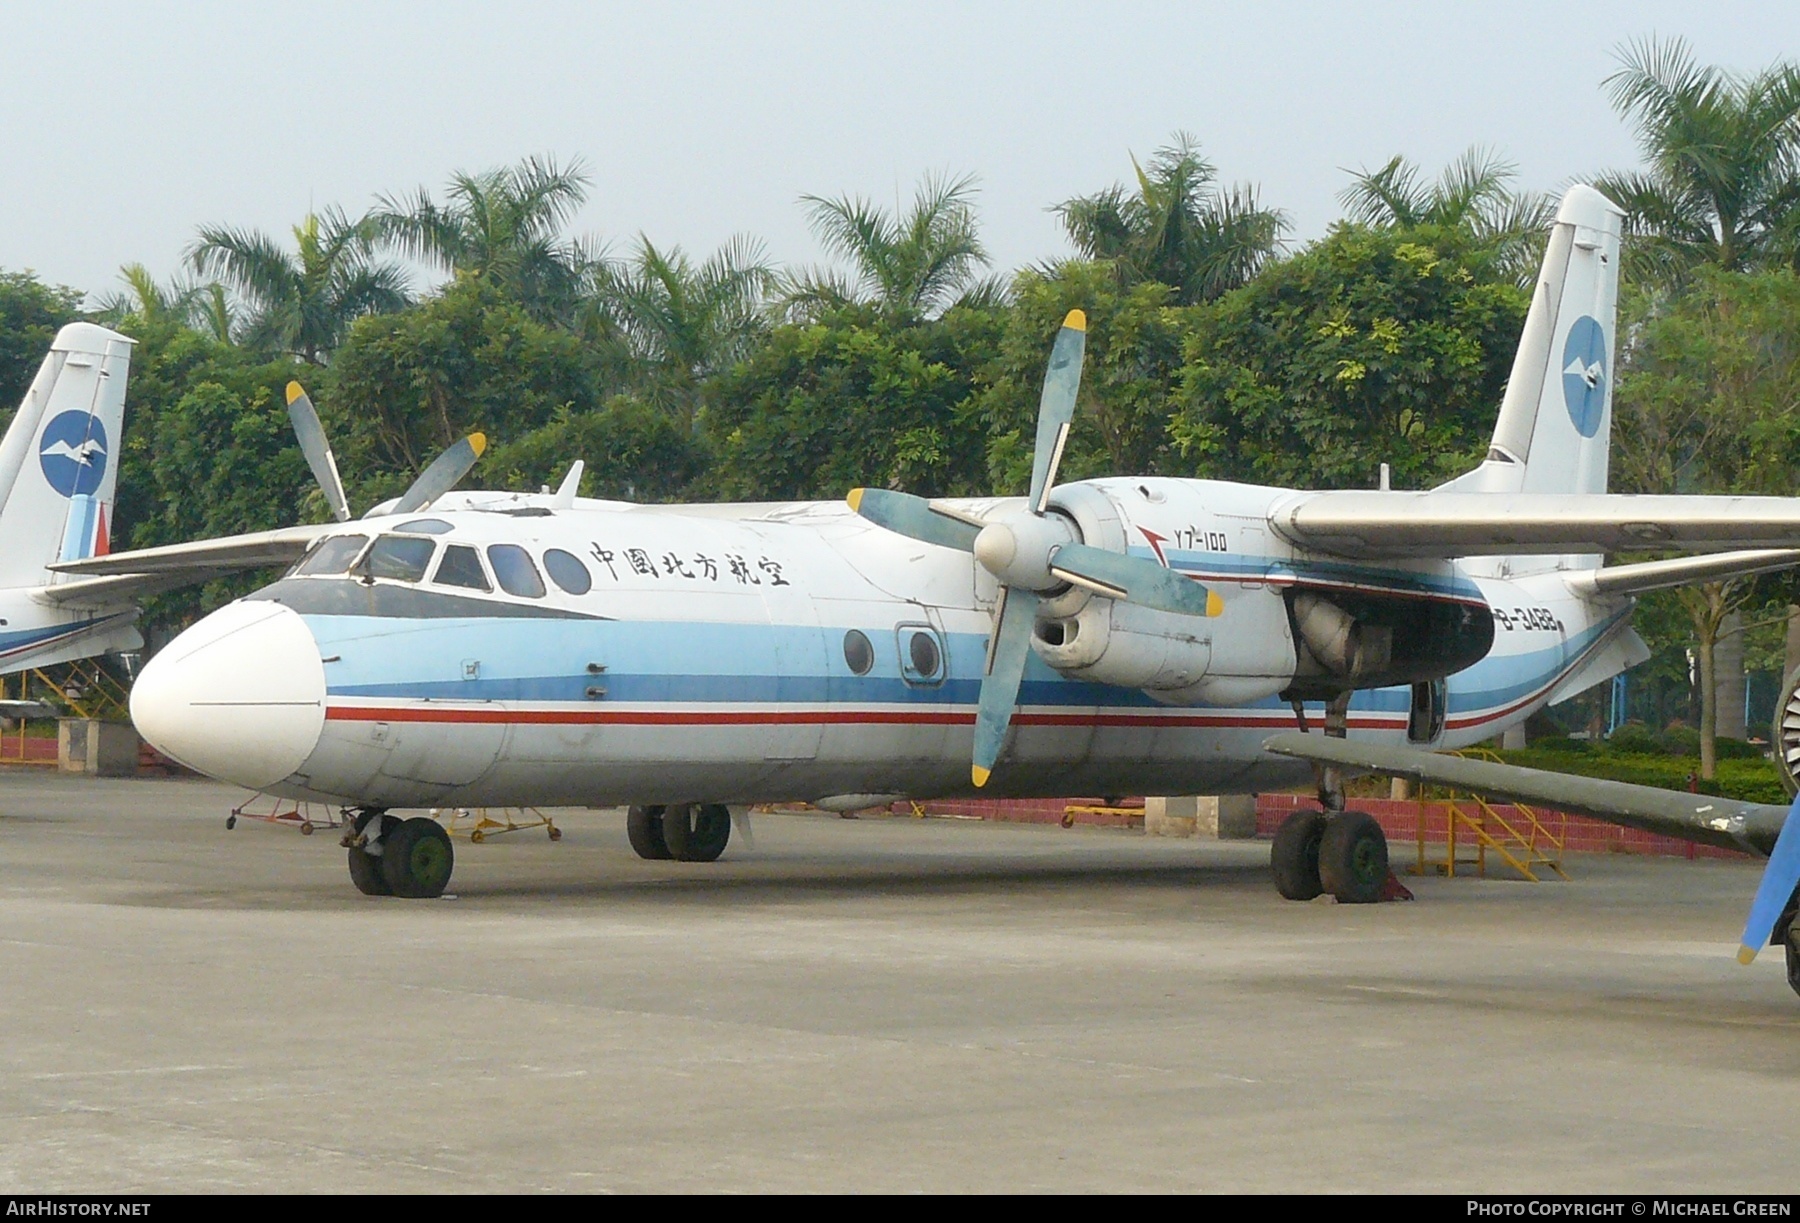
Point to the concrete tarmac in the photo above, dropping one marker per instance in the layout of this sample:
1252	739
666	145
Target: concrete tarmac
880	1004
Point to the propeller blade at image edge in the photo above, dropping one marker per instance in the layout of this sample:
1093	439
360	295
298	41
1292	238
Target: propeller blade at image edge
913	517
442	475
1062	382
1779	879
1134	579
311	436
1000	686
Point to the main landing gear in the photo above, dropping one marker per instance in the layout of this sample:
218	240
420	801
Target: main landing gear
1337	851
1340	852
390	856
685	832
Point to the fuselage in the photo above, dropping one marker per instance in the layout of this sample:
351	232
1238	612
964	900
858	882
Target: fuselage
500	652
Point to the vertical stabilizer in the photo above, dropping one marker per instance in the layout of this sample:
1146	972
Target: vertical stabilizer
1555	425
59	459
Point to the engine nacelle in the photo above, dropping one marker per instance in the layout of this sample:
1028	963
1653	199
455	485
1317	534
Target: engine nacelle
1243	655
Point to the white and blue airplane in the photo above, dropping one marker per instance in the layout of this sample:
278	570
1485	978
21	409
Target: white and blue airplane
1118	635
58	470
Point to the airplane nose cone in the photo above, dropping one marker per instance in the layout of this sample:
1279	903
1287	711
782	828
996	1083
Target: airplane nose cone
240	696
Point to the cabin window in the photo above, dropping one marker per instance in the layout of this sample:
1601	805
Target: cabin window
401	558
567	571
515	572
461	566
921	653
859	655
426	526
332	556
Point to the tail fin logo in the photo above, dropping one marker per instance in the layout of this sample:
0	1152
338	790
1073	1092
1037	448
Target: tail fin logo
72	452
1584	374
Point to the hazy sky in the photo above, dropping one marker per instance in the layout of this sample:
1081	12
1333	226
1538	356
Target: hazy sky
122	128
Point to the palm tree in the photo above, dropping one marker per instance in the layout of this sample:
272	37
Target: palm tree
908	265
502	225
202	307
683	323
1473	193
1723	152
302	303
1177	228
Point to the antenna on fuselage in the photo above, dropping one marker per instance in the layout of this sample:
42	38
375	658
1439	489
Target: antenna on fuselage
565	492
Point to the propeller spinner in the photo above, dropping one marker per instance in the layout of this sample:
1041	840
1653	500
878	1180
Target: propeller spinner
1032	552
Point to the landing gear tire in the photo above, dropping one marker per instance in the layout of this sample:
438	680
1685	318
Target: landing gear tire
1295	855
416	859
644	829
696	833
1353	858
365	868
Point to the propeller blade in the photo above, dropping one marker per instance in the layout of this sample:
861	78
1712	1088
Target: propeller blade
1057	407
442	475
1779	879
311	436
1005	670
1133	579
914	517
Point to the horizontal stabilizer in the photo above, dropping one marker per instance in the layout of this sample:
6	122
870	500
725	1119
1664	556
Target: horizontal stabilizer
1450	524
1680	571
26	709
1724	822
209	558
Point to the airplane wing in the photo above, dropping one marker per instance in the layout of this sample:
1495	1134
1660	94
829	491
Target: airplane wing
1727	823
123	589
1446	524
205	559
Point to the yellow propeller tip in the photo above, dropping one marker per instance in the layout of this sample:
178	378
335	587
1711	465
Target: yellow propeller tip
478	441
1215	606
295	391
1746	954
855	499
980	775
1075	320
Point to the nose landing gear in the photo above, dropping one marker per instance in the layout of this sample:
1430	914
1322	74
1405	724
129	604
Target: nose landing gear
394	857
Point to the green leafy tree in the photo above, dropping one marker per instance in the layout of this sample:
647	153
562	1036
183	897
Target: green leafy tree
31	313
405	386
684	324
1371	346
504	226
1723	157
854	399
631	450
1131	374
1708	401
301	302
909	265
1177	226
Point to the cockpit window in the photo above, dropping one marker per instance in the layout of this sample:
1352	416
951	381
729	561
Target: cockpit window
332	556
461	566
567	571
399	557
515	572
425	526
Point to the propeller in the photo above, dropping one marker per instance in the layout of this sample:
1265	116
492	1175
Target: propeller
311	436
442	475
1032	552
439	478
1780	877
